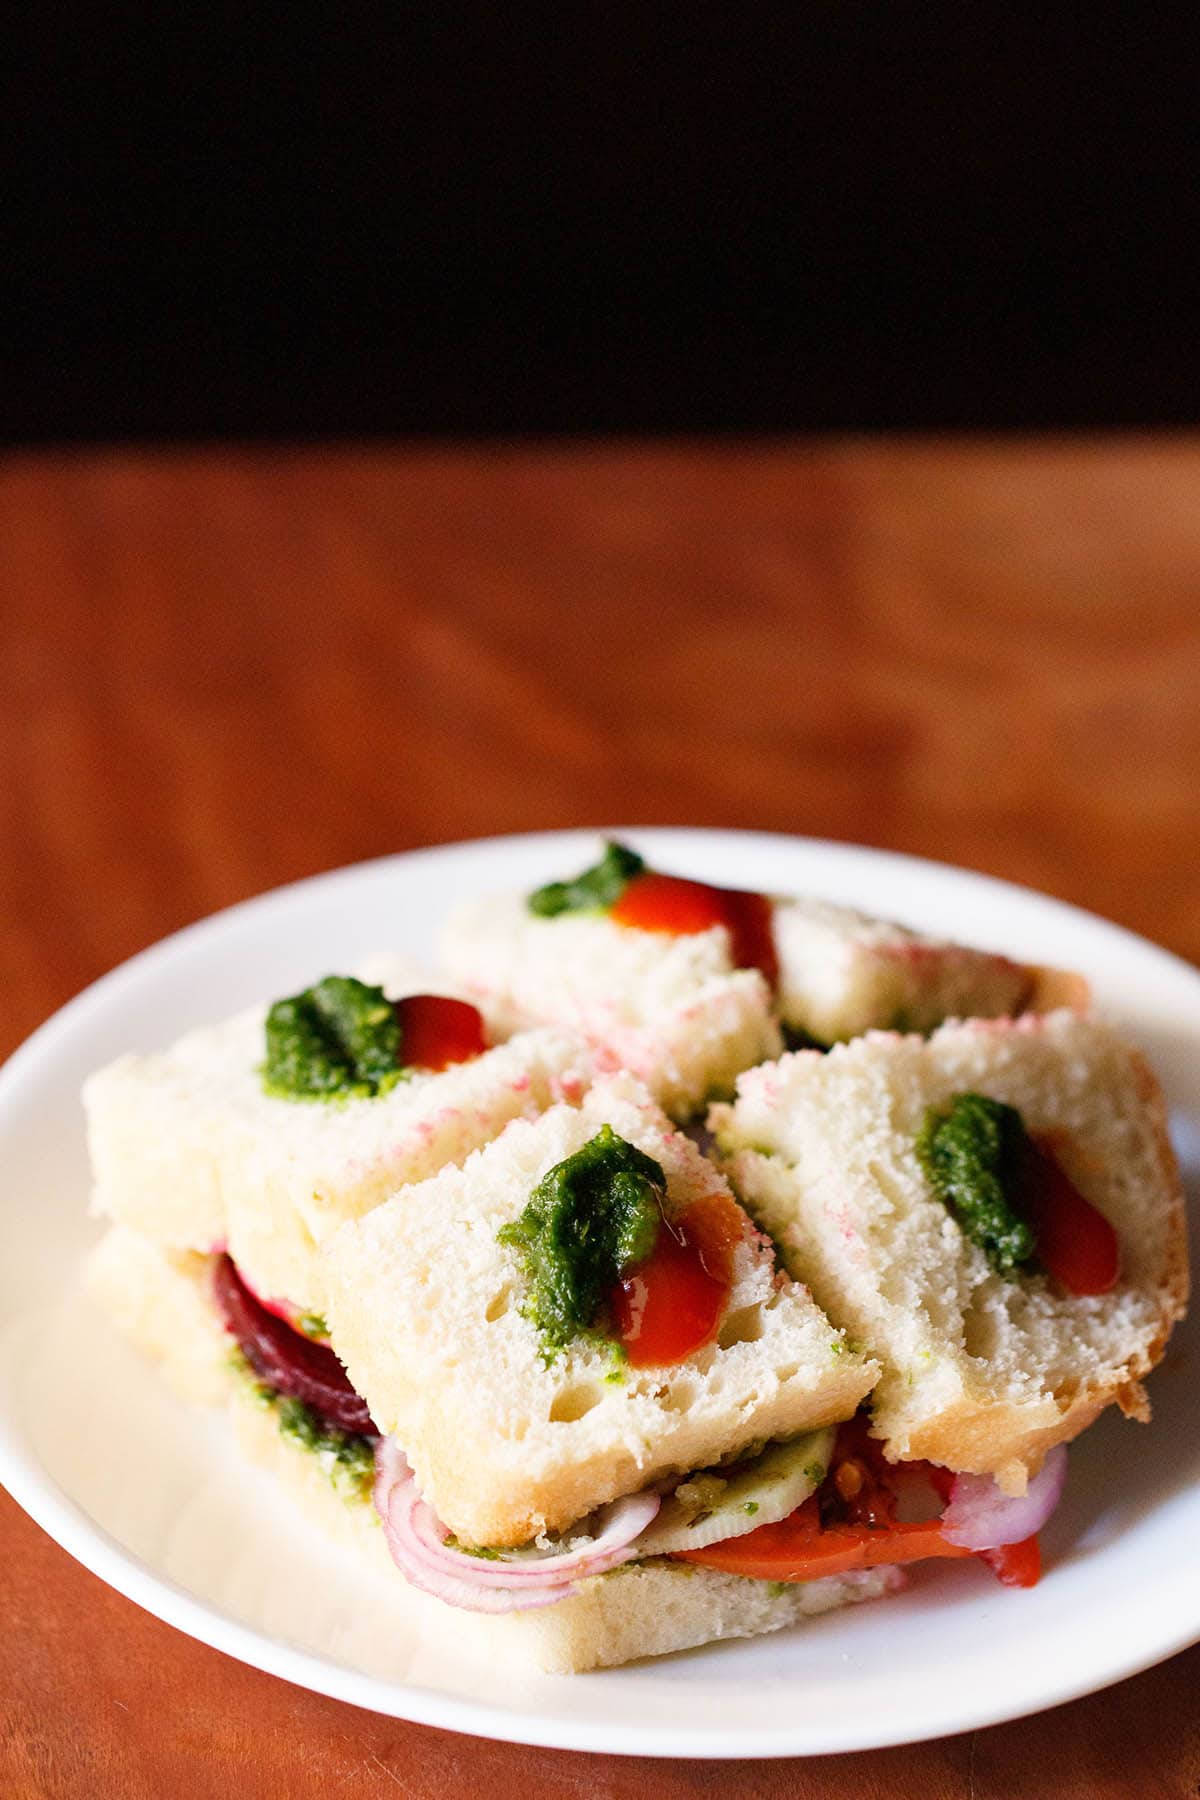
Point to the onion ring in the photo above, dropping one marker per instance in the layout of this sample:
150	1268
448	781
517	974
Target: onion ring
981	1517
416	1539
615	1542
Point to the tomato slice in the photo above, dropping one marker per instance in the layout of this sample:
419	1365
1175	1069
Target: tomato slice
671	1304
1075	1242
436	1031
668	903
850	1523
653	902
750	918
1016	1565
800	1548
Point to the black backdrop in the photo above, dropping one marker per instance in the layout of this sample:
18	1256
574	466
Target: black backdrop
468	218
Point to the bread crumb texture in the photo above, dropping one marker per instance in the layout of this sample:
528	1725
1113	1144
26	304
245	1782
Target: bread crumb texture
656	1607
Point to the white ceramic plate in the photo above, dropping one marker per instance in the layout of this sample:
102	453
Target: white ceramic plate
151	1497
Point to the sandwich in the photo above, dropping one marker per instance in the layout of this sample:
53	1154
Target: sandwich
843	973
687	984
593	1387
674	1004
262	1134
482	1316
588	1424
996	1210
348	1478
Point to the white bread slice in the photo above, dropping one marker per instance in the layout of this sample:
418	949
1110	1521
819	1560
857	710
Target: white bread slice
160	1300
842	973
656	1607
188	1149
423	1305
980	1373
671	1010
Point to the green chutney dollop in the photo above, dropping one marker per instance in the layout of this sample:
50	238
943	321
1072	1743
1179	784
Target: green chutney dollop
595	890
972	1155
590	1218
339	1040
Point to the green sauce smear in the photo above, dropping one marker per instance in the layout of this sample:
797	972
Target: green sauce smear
339	1040
348	1456
595	890
590	1218
352	1465
972	1154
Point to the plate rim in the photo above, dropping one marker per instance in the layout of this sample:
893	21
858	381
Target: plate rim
68	1524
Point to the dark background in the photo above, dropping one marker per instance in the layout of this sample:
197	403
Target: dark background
464	219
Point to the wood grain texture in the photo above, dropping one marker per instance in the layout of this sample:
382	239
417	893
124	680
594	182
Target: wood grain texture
219	672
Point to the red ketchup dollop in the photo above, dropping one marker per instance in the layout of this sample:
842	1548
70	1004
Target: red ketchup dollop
668	903
1075	1243
436	1031
671	1304
286	1360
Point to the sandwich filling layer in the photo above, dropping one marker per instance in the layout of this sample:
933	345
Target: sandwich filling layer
819	1505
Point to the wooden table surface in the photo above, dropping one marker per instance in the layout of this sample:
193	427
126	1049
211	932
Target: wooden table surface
223	671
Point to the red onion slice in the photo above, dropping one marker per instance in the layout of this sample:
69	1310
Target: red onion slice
416	1539
391	1468
455	1591
619	1525
981	1517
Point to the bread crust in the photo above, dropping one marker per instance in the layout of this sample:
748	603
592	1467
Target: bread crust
1051	989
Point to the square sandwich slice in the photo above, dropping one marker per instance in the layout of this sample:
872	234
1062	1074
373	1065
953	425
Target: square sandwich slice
672	1010
444	1305
843	973
994	1212
192	1150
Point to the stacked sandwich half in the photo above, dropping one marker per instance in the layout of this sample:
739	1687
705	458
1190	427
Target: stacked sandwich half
610	1323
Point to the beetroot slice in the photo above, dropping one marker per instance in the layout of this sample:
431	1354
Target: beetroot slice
289	1362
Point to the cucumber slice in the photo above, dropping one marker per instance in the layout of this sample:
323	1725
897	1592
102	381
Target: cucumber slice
707	1508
